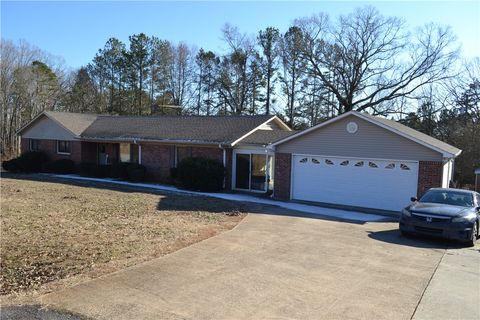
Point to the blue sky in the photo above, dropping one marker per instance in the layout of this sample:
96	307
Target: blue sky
76	30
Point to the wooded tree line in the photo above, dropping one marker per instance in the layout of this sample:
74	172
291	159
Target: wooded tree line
313	71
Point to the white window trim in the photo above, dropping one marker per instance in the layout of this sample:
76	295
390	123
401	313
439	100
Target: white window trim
250	152
64	153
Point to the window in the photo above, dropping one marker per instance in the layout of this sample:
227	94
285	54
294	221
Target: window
329	162
344	163
359	164
129	152
63	147
315	161
125	152
34	145
304	160
390	166
134	153
404	167
372	165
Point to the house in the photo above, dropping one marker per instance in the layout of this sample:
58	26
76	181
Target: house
354	159
161	142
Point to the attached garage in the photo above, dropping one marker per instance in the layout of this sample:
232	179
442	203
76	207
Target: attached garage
359	160
359	182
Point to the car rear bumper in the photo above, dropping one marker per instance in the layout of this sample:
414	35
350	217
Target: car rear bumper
456	231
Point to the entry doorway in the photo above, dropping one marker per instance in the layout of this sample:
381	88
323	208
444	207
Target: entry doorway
253	171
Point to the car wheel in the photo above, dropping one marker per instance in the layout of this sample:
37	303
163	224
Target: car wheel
473	236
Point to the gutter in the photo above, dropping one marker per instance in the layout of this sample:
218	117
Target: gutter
137	140
224	164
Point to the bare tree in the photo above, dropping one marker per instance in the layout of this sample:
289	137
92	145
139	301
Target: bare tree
375	59
31	81
293	66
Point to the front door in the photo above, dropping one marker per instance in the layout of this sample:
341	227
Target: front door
251	171
258	172
242	176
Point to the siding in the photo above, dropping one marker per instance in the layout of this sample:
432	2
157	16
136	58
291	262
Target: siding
370	141
46	128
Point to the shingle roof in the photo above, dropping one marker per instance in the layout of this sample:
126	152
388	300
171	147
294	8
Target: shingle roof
75	122
210	129
415	134
265	137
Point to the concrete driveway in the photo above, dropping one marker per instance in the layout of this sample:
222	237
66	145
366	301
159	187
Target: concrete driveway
270	266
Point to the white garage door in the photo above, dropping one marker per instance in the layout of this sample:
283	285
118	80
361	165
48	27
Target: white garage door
380	184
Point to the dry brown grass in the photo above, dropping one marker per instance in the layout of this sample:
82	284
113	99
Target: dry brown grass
52	231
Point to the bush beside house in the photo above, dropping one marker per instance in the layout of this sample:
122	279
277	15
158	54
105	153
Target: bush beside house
61	166
29	162
200	174
120	170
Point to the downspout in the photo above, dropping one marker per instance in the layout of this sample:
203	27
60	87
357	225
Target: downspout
139	151
224	164
271	148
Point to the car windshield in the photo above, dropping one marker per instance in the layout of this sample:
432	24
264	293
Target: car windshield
448	197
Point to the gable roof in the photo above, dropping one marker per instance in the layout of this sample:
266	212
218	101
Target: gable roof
187	129
76	123
265	137
445	149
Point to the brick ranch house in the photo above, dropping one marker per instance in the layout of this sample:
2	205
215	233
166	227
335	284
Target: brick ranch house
354	159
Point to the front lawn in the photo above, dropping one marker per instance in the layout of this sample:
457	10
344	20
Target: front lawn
53	231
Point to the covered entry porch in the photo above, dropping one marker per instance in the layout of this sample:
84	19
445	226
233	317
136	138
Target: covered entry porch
108	152
253	170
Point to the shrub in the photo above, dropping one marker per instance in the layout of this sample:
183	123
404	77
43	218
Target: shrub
103	171
119	170
62	166
11	165
32	161
88	169
136	172
200	174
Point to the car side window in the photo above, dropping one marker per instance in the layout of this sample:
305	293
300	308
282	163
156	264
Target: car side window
478	199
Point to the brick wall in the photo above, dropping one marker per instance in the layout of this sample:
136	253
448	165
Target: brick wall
89	152
49	147
429	176
157	159
282	177
24	145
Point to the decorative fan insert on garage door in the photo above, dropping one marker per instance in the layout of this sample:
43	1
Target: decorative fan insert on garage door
360	182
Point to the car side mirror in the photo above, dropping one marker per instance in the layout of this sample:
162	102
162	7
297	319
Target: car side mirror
413	199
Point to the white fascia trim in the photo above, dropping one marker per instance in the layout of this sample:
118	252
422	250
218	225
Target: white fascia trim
359	115
30	123
283	124
44	113
256	128
318	126
423	143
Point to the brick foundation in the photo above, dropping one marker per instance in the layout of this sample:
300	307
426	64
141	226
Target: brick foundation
283	163
429	176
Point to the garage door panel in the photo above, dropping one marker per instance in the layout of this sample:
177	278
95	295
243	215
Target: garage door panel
382	184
